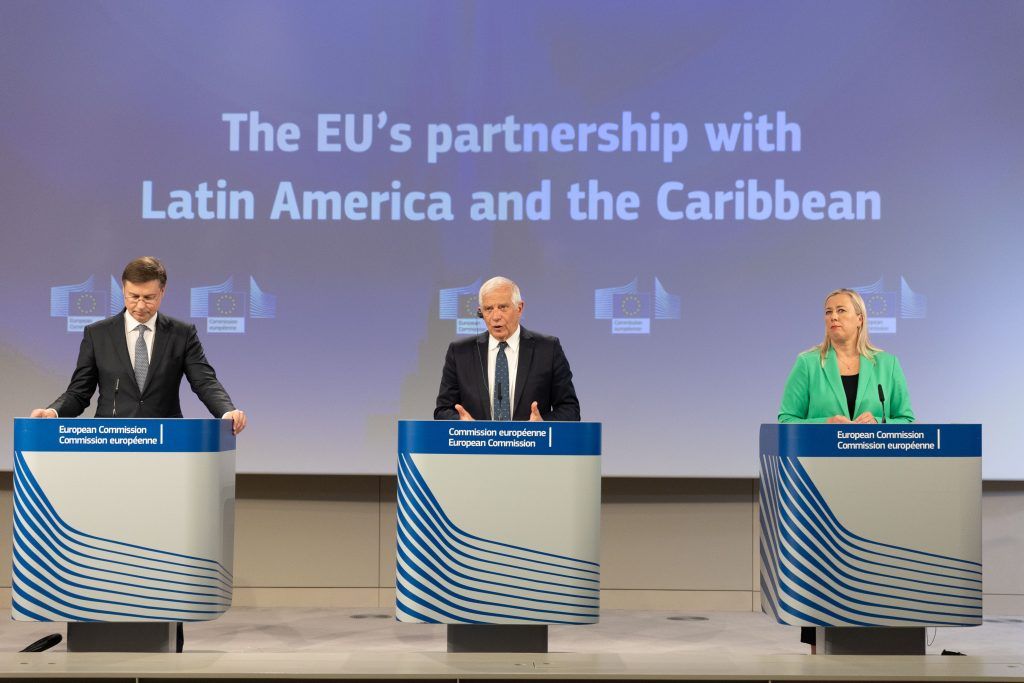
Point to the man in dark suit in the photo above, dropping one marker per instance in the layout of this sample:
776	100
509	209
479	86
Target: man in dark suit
507	372
137	359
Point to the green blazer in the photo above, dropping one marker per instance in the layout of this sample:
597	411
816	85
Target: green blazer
814	393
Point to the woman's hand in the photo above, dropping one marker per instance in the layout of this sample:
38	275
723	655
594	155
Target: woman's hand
865	418
839	420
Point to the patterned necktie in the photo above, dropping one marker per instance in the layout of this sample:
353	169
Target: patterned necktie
502	409
141	356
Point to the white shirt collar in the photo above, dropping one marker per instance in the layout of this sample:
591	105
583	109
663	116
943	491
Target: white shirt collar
131	323
513	340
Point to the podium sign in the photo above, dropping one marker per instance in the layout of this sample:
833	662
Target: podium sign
498	522
122	520
871	525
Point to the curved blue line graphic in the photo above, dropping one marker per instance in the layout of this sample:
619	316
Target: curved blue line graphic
827	575
35	493
446	575
796	473
406	464
450	542
25	557
451	579
58	576
430	542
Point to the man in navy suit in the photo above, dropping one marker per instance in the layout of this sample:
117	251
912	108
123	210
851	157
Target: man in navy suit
138	357
508	372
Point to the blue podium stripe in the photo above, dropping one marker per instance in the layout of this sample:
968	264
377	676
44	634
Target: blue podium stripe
59	576
30	498
471	438
820	568
30	488
426	501
100	435
834	441
441	545
441	569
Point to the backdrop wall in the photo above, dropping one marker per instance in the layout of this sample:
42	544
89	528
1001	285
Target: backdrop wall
675	185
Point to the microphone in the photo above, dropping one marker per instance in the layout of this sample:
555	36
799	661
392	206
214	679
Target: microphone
117	385
479	313
881	397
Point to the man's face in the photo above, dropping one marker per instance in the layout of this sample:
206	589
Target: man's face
143	299
500	314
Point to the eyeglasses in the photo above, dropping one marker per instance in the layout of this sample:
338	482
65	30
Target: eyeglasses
136	298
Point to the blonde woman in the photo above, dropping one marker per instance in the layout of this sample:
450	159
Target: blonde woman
838	380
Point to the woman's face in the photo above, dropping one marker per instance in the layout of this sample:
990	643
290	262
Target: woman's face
842	323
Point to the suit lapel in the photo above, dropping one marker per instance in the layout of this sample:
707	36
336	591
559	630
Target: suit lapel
119	341
160	344
866	383
834	381
481	348
526	342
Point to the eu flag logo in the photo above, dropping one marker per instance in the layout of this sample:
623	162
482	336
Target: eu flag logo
468	305
227	305
632	305
87	304
468	322
880	304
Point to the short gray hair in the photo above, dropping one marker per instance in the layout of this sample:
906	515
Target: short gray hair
495	283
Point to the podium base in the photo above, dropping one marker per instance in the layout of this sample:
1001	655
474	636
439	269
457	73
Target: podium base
497	638
122	636
871	641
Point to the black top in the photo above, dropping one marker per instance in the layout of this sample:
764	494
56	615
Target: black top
850	387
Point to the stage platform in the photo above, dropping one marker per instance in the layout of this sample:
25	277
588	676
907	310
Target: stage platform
367	644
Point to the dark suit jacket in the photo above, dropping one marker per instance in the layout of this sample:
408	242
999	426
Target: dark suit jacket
542	375
103	361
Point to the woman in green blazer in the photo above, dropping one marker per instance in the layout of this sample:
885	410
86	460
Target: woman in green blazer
838	380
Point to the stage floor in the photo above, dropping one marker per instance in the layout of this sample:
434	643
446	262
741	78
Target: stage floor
368	643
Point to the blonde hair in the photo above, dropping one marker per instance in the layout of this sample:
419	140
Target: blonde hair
864	345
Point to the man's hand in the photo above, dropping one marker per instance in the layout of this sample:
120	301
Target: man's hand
463	413
238	420
865	418
43	412
534	413
839	420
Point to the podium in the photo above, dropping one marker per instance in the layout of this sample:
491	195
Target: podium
871	532
498	530
122	527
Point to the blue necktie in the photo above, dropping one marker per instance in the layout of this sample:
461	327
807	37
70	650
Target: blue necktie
502	409
141	356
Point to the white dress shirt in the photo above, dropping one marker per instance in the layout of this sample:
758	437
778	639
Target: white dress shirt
512	354
131	336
